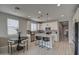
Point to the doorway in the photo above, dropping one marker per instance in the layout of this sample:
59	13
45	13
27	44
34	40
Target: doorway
63	31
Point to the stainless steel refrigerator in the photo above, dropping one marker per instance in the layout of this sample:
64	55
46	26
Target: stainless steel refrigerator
76	52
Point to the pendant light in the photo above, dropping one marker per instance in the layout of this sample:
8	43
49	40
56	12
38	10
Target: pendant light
47	18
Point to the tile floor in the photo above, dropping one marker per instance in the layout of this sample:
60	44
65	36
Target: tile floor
59	48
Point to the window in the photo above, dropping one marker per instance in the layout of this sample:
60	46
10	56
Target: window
33	27
13	25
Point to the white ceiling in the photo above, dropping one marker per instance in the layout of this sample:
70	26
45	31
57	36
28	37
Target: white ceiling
53	10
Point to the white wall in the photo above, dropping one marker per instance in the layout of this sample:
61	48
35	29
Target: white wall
28	25
72	27
23	27
3	24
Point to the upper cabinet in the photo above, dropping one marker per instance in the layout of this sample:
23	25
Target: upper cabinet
52	25
76	15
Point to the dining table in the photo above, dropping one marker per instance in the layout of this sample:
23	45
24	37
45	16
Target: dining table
17	41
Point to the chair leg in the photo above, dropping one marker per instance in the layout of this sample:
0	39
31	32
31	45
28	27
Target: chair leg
47	46
42	44
39	43
11	49
24	49
8	48
24	46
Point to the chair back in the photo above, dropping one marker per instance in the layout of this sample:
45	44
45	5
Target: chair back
38	37
46	39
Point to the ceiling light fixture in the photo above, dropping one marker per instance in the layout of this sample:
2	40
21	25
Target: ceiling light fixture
29	16
40	15
47	18
58	5
62	15
39	12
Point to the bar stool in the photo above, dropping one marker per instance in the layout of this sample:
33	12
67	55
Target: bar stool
38	38
46	41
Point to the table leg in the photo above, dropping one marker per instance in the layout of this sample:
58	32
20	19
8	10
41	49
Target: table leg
8	47
27	44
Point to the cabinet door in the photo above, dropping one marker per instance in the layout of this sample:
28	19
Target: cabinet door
32	37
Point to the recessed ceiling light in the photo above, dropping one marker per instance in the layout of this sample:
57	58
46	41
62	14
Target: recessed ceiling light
62	15
39	12
29	16
58	5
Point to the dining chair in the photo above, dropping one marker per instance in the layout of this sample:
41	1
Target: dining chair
24	44
11	46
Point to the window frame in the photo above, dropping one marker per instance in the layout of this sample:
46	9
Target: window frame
34	26
9	27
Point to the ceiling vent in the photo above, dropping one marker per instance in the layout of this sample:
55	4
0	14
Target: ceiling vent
17	8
